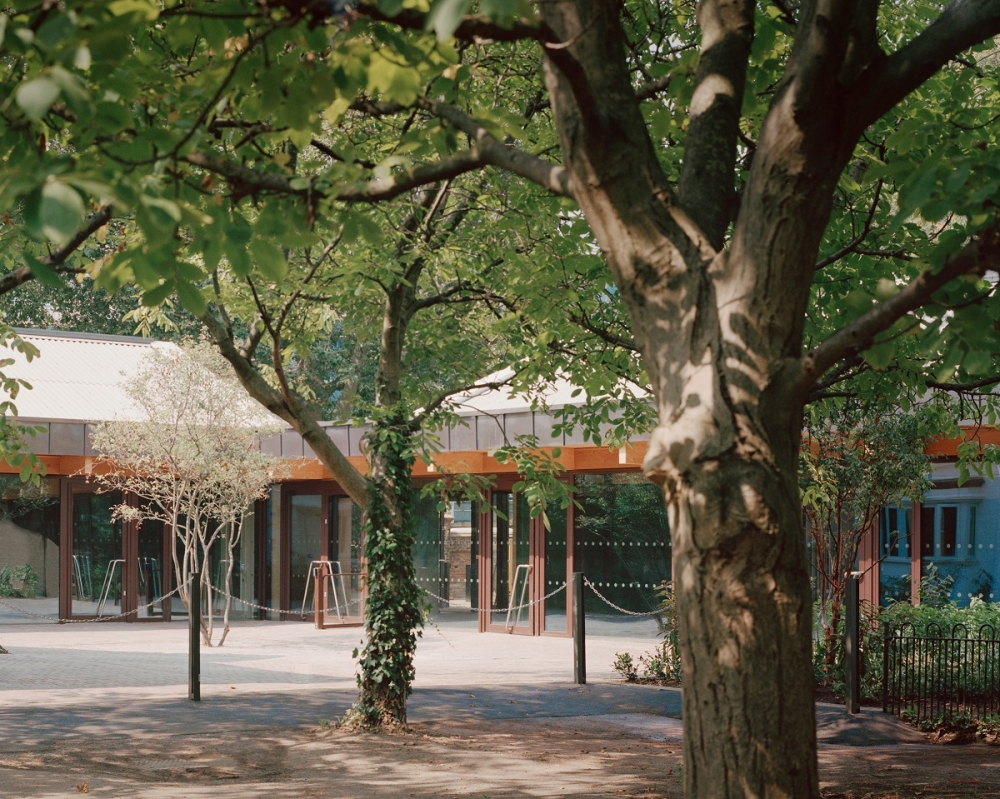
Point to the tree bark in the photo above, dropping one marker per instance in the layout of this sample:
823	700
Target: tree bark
718	330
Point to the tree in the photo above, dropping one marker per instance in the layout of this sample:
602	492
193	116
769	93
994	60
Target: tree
13	435
854	462
735	165
440	320
193	459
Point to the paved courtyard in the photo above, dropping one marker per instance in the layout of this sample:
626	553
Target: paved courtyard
102	709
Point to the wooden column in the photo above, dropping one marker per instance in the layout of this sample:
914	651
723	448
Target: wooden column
868	564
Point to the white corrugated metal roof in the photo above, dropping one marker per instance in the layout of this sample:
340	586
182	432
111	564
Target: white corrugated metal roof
78	376
491	400
502	399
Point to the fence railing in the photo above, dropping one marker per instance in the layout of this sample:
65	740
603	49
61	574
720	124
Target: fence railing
941	674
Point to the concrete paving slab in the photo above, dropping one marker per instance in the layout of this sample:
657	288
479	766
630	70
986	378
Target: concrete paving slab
131	679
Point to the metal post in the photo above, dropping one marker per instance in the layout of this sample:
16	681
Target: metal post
886	641
194	639
852	671
320	597
579	633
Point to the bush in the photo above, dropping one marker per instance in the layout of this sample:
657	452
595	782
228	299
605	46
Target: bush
870	648
18	581
625	666
940	617
663	663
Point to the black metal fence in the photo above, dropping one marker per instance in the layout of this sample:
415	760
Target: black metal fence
941	675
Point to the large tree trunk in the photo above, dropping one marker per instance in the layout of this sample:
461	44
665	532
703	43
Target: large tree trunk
745	632
719	324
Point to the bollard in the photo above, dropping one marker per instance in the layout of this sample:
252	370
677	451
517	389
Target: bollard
852	672
194	639
579	632
321	598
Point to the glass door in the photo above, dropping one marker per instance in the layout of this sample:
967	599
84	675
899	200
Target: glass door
96	554
113	568
344	596
149	572
306	524
510	563
322	526
525	563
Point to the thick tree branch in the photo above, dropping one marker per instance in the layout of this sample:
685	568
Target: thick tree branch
887	81
546	174
290	410
11	280
471	28
486	150
961	388
981	254
707	176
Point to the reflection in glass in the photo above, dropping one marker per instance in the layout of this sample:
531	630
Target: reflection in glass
29	547
305	540
150	568
97	555
555	570
446	557
622	545
344	553
511	573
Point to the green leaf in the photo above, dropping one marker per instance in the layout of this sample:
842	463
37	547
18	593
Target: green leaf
880	355
37	96
269	259
445	16
44	273
58	214
191	298
157	295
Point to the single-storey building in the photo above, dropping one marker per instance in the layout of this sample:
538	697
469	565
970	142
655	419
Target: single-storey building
474	560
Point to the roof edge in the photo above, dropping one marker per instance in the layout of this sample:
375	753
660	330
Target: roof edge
49	333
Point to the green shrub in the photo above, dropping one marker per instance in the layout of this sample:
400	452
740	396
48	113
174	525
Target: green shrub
18	581
625	666
663	663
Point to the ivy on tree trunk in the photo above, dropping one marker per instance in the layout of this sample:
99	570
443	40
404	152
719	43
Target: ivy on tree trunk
393	613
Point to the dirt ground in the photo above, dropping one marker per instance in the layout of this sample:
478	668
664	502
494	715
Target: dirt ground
577	757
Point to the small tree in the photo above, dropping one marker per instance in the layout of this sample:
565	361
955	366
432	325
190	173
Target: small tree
193	459
853	463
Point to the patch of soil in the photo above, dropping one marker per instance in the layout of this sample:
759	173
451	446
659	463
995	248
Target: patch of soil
825	693
513	759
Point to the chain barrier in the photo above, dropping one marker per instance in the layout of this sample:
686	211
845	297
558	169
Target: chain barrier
253	605
608	602
269	609
57	620
500	610
348	606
